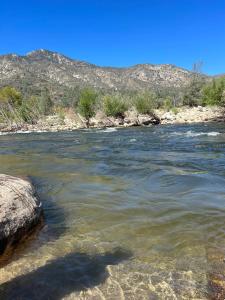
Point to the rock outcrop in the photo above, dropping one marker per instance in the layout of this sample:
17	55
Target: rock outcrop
20	211
197	114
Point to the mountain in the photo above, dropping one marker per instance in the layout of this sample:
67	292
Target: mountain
43	68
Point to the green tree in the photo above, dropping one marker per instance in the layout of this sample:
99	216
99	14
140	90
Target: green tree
86	104
193	93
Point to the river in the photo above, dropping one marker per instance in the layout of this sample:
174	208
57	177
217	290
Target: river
136	213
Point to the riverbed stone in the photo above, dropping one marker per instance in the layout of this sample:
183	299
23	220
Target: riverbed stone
20	210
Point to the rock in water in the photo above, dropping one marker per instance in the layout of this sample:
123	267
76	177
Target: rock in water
20	210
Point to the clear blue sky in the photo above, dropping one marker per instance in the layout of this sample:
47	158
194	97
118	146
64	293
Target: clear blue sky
119	33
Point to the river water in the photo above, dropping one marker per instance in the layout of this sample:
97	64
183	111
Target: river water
135	213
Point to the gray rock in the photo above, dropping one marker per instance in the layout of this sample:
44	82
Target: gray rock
168	116
20	210
148	119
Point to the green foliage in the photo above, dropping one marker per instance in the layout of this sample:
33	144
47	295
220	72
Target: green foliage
145	103
87	102
61	113
9	95
174	110
45	103
213	93
167	104
18	109
193	93
10	100
70	97
114	106
29	110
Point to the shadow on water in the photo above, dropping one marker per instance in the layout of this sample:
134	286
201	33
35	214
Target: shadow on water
60	277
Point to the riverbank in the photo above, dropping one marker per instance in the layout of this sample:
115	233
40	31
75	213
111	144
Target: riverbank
71	121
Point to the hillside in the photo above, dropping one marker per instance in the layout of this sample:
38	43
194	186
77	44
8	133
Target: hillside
43	68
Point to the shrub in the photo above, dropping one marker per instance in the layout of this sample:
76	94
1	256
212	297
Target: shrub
145	103
60	113
213	93
86	104
114	106
29	110
174	110
167	104
45	103
10	100
11	96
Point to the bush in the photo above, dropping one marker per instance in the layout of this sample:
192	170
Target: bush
145	103
174	110
29	110
86	104
45	103
60	113
10	100
213	93
167	104
114	106
10	96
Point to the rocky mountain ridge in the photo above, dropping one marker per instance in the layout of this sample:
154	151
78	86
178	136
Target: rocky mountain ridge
46	68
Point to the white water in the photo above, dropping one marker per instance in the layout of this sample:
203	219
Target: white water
191	133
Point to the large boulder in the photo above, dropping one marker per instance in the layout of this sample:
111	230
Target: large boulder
20	210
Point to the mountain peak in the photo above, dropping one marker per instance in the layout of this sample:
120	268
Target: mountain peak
40	52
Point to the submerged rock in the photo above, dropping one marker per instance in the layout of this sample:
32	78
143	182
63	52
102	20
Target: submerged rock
20	210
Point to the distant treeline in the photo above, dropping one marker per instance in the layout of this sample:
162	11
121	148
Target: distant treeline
17	108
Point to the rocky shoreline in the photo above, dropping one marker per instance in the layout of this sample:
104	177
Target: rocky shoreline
187	115
72	121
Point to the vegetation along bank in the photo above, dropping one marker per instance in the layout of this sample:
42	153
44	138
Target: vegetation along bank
200	101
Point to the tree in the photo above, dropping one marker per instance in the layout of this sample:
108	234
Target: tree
86	104
193	92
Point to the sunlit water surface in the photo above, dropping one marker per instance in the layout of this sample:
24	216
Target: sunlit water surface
134	213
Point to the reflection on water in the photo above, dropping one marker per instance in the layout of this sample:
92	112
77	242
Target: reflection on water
156	192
